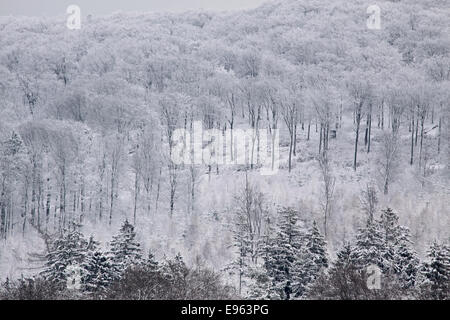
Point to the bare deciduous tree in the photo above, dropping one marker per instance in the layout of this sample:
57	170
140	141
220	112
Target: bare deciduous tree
388	158
328	189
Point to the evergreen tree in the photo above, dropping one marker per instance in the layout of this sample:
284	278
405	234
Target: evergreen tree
436	273
151	262
398	256
390	233
175	272
261	286
98	273
316	246
283	263
92	244
313	260
345	258
406	263
125	250
68	250
343	279
369	247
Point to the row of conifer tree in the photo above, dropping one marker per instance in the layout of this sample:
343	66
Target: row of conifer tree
290	263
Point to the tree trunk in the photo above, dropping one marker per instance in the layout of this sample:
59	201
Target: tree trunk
370	133
136	192
309	130
439	135
422	120
295	140
412	141
111	195
358	121
320	139
291	142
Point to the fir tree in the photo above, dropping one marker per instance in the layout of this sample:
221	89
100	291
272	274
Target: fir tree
175	272
283	263
98	273
313	260
316	246
345	258
369	247
125	250
398	256
261	285
437	272
92	244
151	262
390	233
68	250
405	260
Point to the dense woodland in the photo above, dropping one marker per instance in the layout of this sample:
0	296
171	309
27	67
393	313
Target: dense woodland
86	124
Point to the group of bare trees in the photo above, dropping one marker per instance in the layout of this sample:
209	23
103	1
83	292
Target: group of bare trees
87	130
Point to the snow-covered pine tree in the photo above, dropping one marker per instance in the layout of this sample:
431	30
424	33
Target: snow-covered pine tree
241	243
98	273
68	250
369	247
345	258
283	264
406	263
399	257
316	245
436	273
343	280
260	287
92	244
390	232
175	272
125	250
313	259
151	262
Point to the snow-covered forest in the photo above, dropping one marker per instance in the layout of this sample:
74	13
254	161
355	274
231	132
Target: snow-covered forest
92	205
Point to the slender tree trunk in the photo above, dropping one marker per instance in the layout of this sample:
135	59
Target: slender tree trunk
320	139
358	121
295	140
48	204
422	120
33	189
291	143
439	135
386	185
411	162
309	130
417	130
111	195
24	212
158	189
370	133
136	192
